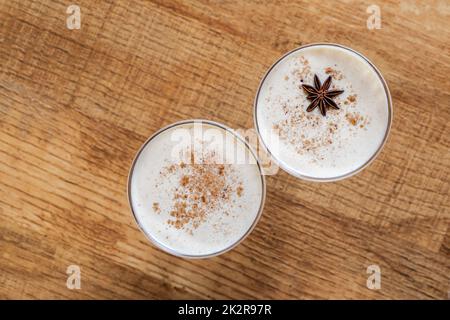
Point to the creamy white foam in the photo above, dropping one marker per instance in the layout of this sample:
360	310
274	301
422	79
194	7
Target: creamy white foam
154	189
310	145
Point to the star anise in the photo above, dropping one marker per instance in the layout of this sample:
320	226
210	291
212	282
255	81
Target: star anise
320	96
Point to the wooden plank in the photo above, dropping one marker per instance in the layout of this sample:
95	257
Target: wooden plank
75	105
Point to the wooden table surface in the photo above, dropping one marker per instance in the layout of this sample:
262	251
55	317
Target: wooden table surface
75	106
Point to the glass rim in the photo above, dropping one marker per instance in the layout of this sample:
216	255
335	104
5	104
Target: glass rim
166	248
343	176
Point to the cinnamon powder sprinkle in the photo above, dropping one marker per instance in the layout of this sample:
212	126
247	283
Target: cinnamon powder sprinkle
335	74
303	70
356	119
203	188
239	190
156	207
184	181
351	98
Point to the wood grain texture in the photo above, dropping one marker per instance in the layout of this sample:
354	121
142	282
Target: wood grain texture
75	105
